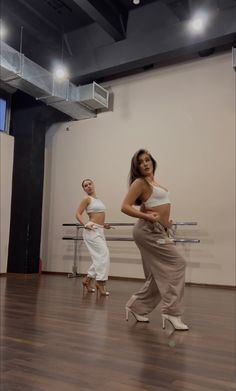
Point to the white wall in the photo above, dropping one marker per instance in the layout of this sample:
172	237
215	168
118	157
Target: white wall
185	116
6	167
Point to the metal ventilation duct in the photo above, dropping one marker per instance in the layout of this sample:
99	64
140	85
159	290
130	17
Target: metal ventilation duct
93	96
25	75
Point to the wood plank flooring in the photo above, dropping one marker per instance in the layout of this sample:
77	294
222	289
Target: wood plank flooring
55	338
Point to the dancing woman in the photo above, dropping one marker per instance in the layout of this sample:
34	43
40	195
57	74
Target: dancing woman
164	267
93	235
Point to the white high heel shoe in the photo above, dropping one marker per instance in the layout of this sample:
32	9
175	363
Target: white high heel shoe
139	318
175	321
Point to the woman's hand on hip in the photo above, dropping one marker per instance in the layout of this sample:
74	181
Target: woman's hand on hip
90	225
170	224
153	216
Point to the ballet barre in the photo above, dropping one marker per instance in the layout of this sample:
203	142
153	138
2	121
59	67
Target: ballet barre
78	238
127	239
129	224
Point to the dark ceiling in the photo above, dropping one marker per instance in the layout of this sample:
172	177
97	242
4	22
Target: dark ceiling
102	39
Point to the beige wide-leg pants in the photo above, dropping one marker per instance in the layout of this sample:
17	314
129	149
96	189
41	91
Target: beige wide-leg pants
164	270
96	243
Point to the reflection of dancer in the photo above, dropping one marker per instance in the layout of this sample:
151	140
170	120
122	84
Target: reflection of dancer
164	268
94	238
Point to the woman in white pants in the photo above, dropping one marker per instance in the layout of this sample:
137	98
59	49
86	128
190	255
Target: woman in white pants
164	267
94	238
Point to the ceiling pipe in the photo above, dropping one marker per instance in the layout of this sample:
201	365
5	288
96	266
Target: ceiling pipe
78	102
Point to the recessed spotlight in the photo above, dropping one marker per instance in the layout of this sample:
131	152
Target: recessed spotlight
197	24
136	2
60	73
3	31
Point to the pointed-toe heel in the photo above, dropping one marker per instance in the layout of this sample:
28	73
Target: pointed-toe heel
139	318
175	321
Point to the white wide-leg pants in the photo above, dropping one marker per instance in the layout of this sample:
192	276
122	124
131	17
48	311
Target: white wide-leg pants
96	243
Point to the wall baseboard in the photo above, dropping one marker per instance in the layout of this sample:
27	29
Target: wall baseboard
193	284
200	285
204	285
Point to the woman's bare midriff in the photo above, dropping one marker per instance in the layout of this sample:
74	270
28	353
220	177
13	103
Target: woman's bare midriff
97	218
164	213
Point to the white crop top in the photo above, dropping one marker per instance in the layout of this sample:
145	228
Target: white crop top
95	206
158	197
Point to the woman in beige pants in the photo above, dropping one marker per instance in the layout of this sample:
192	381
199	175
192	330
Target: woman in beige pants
164	267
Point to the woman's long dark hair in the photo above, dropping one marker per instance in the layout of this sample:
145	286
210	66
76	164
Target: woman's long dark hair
135	171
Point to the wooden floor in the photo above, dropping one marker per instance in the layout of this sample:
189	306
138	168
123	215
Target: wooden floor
55	339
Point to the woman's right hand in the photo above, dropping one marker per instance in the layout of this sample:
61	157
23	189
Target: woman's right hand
152	216
89	225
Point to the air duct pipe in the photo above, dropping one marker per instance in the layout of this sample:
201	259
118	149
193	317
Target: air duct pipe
78	102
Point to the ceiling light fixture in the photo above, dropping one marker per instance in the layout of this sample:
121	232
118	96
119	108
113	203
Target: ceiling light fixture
60	73
199	21
197	24
3	30
136	2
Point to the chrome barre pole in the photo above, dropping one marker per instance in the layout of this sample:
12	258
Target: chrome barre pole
129	224
74	267
128	239
177	240
185	223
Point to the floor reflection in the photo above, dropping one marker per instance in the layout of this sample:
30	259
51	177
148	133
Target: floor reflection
161	354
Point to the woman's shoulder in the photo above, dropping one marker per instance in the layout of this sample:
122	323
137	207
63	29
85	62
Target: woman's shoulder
140	183
86	200
137	182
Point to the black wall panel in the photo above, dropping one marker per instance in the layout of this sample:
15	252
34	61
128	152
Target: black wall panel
29	121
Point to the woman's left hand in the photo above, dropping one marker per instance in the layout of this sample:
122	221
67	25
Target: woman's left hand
169	224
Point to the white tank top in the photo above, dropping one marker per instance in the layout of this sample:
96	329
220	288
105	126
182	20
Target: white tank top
158	197
95	206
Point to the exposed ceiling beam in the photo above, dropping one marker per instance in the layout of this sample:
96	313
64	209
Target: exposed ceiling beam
180	8
35	26
156	47
40	16
113	21
65	38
